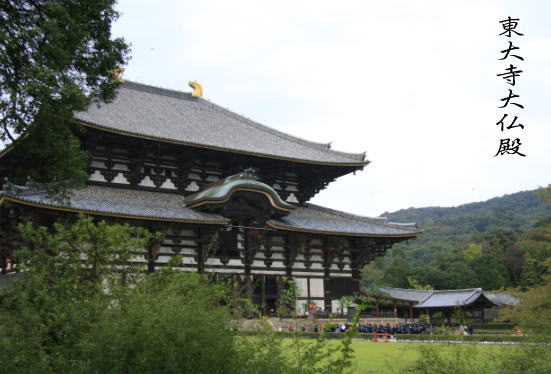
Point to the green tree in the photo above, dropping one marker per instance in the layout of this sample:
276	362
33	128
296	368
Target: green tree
373	273
46	314
345	302
545	193
57	58
397	270
535	244
490	273
171	322
414	284
472	253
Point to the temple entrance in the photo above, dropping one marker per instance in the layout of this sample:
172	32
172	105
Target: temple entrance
265	293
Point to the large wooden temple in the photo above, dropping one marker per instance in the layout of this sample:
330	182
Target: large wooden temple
228	194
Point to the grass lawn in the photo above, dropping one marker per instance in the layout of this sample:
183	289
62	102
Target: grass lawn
394	357
378	357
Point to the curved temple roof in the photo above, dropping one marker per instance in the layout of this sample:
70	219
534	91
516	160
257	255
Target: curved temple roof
438	298
156	113
316	219
222	191
148	205
114	202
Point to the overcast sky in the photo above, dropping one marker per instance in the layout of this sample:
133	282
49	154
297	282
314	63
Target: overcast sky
413	83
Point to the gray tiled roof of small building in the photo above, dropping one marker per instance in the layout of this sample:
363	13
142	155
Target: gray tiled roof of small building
170	115
406	294
436	298
316	218
115	201
451	298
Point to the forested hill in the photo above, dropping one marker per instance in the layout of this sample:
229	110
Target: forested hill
491	244
517	210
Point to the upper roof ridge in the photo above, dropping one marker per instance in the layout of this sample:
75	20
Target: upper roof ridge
459	290
137	86
187	96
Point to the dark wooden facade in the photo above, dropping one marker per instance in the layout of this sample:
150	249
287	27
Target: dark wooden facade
245	242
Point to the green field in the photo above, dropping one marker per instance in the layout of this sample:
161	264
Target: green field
394	357
378	357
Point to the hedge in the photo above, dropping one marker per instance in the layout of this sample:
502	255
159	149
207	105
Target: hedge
493	326
468	338
404	337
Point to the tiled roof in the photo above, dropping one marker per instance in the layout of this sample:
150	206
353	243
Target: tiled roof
314	218
170	207
406	294
157	113
451	298
437	298
117	202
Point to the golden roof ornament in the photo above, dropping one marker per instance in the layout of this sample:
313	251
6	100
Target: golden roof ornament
116	72
197	89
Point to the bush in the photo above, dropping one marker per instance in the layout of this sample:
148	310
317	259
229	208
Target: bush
45	315
171	323
493	326
468	338
61	317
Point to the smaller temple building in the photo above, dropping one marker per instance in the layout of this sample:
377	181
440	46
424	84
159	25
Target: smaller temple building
410	304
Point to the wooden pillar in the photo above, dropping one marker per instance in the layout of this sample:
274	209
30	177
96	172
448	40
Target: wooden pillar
279	285
206	239
356	277
410	312
327	306
291	248
152	251
249	285
377	311
263	294
395	309
482	314
248	257
327	297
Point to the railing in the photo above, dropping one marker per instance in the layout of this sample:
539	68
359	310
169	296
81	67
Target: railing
379	315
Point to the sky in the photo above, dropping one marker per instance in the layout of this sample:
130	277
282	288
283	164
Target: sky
412	82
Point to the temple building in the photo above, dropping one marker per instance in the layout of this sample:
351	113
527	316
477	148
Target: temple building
228	194
410	304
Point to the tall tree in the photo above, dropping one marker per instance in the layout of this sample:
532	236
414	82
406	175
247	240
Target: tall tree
56	57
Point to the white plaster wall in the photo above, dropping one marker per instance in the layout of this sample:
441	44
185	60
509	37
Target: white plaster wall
302	284
146	182
121	179
97	177
316	287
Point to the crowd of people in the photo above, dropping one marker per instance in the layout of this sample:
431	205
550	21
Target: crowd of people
415	328
382	329
392	330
